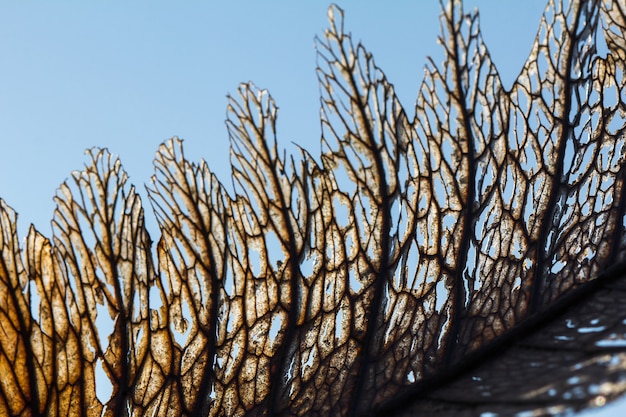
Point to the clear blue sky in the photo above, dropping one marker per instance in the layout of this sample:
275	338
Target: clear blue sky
129	75
82	74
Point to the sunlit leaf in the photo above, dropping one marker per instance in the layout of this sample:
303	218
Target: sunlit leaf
463	258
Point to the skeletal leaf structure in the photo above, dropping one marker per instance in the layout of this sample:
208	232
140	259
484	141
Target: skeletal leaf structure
466	259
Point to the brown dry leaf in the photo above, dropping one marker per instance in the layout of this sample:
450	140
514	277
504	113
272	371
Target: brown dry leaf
463	260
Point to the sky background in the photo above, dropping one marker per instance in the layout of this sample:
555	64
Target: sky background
82	74
130	75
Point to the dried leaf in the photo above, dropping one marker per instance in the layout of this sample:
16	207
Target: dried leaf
468	259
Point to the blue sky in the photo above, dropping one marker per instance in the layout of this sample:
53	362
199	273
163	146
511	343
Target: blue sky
129	75
82	74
